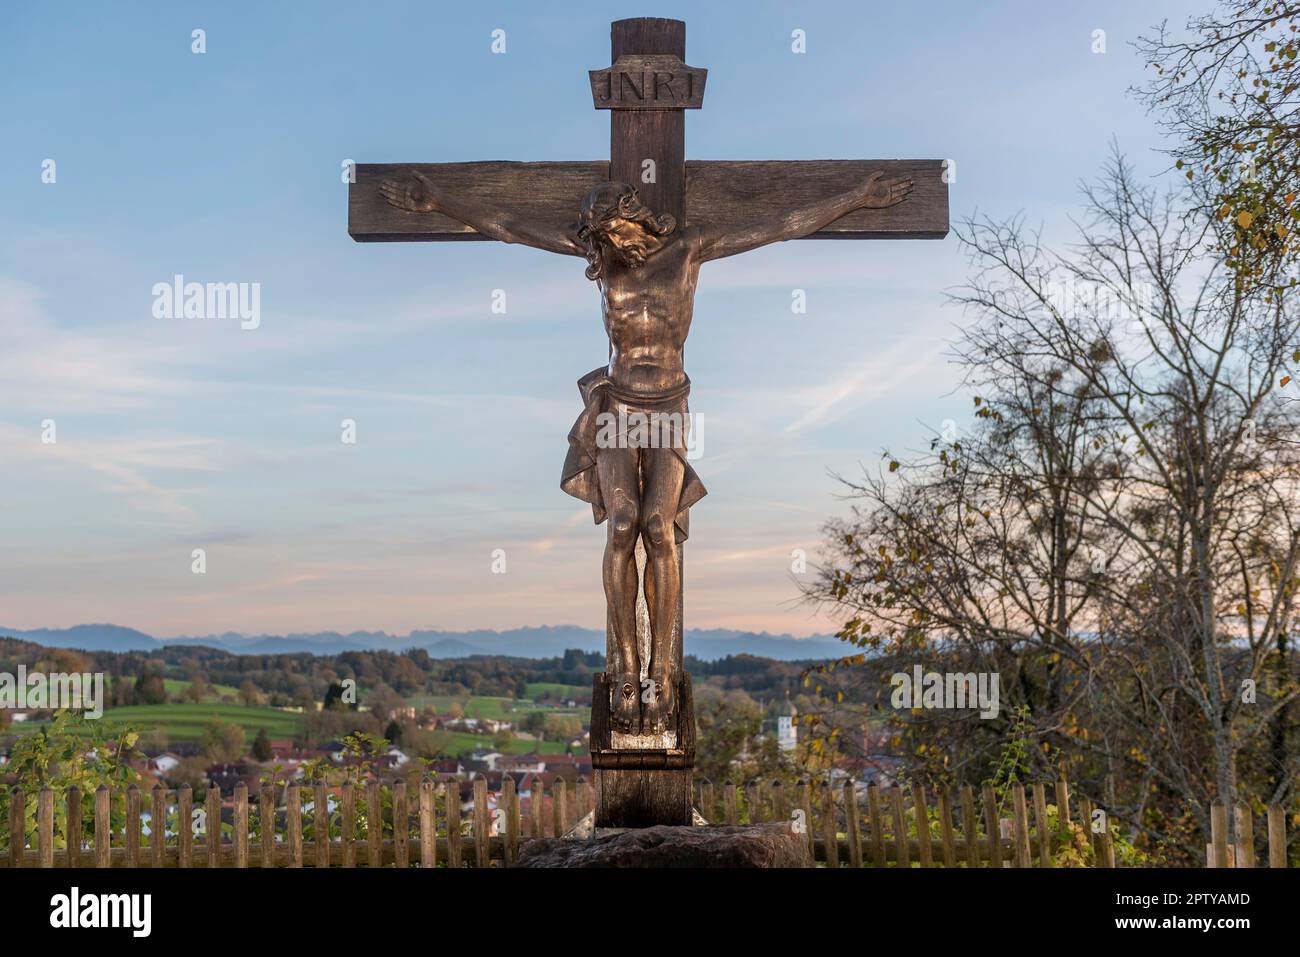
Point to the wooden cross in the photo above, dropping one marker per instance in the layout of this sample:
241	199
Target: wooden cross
647	89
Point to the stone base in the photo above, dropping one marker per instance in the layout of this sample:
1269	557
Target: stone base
759	845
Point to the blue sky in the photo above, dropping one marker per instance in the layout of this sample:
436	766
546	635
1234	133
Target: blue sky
178	434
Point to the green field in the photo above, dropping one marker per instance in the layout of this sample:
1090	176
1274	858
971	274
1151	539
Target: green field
185	722
175	686
497	709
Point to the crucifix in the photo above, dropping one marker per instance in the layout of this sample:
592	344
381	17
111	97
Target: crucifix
645	221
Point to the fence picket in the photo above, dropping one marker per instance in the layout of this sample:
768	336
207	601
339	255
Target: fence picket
266	820
132	826
348	825
241	825
320	820
921	808
1276	836
877	827
45	826
1245	832
453	822
157	826
103	833
72	837
829	835
482	828
1041	829
428	826
401	826
970	826
851	824
374	826
17	832
994	827
945	829
293	824
901	850
214	826
185	826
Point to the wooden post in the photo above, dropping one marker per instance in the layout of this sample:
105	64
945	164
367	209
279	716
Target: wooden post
133	826
921	808
900	827
945	829
214	826
536	802
321	824
730	814
241	825
374	827
1219	835
17	828
452	791
401	826
1042	831
428	826
266	818
970	826
852	825
830	834
348	825
510	850
877	827
1276	836
157	826
780	807
1024	856
184	825
45	826
994	828
1063	800
293	811
805	804
1245	836
482	822
74	827
560	805
1085	820
103	830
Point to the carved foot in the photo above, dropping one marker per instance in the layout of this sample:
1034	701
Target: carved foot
660	704
625	704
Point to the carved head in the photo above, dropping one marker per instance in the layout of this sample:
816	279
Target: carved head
613	216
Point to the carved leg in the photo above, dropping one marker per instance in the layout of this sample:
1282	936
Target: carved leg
620	480
663	486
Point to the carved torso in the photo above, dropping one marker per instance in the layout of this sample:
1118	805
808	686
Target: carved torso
647	312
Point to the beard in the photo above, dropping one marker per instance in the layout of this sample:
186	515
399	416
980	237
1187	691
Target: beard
632	255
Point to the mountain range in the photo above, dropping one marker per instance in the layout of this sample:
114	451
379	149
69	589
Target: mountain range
546	641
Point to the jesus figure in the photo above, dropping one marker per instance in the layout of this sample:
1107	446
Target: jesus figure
646	267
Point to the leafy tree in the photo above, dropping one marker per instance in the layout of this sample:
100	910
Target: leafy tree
262	746
149	689
71	751
222	742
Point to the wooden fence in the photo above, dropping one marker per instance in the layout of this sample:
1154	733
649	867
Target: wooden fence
422	823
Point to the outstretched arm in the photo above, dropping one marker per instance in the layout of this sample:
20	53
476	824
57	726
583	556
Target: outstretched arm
420	195
875	192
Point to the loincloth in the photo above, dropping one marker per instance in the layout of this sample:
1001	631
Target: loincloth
595	431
